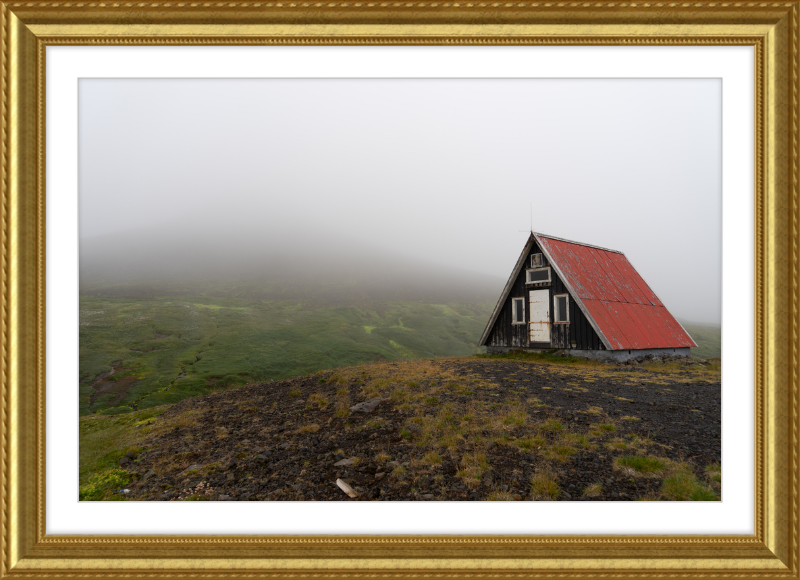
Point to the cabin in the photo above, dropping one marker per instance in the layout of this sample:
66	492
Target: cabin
587	300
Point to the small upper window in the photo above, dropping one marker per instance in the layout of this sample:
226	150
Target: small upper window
562	307
537	261
518	310
537	275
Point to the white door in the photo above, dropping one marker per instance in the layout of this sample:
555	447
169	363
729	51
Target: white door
540	315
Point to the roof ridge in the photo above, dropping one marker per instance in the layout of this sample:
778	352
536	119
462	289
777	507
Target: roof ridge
578	243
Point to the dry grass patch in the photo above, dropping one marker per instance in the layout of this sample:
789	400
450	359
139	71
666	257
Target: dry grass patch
714	473
432	458
382	457
552	425
310	428
559	452
544	486
514	416
530	442
400	394
593	490
577	440
318	399
450	441
473	466
500	496
535	402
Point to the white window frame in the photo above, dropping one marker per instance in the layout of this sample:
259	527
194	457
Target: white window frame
555	309
541	261
528	280
514	302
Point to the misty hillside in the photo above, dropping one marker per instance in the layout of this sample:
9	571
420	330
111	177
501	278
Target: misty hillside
168	314
268	265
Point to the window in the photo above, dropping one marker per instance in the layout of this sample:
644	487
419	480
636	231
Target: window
537	276
517	311
537	261
562	307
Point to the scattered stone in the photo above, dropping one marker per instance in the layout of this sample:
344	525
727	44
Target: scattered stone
366	406
427	496
124	460
346	488
130	455
224	498
195	467
379	476
148	475
344	463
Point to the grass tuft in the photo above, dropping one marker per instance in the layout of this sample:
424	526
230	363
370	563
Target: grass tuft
544	486
642	464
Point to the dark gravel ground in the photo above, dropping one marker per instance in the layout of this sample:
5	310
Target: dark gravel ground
281	440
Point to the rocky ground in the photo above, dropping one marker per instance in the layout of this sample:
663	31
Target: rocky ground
449	429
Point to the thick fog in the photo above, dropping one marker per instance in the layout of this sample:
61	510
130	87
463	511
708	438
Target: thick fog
400	179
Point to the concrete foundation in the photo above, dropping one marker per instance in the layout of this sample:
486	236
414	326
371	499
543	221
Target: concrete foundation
602	355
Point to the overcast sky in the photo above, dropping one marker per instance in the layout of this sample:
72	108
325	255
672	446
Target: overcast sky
441	170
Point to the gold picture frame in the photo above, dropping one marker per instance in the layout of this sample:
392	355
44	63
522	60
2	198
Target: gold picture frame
30	26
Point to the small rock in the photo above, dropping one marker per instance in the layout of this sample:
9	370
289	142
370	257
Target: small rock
130	455
124	460
224	498
148	475
195	467
379	476
366	406
343	463
260	457
393	464
427	496
346	488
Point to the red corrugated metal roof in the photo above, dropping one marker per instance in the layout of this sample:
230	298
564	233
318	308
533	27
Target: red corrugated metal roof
624	308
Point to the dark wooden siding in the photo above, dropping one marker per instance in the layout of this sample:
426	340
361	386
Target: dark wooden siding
577	332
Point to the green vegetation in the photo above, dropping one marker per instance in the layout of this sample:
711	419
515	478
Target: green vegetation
642	464
683	485
708	339
104	439
162	350
102	485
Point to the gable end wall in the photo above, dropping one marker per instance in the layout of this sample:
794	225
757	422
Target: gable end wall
506	334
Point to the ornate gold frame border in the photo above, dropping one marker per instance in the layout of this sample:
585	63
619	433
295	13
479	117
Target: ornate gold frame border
27	27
